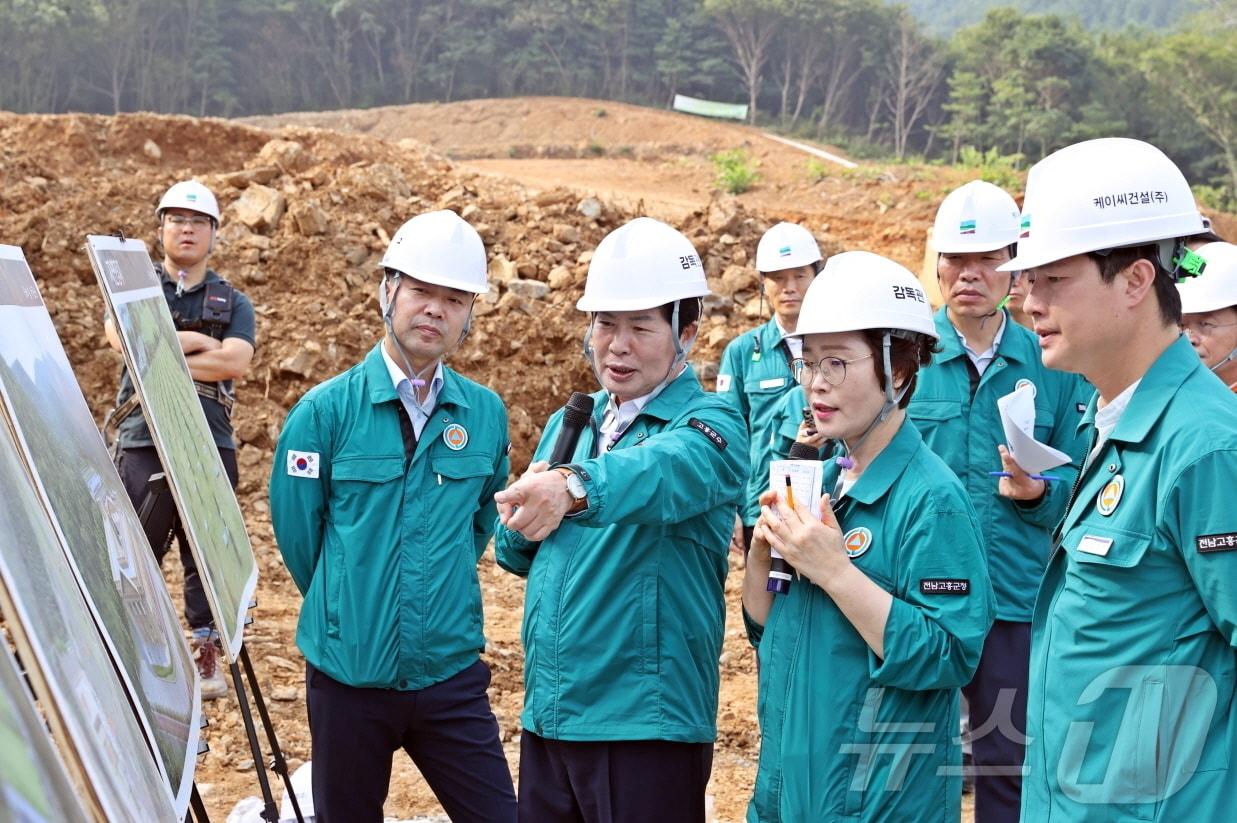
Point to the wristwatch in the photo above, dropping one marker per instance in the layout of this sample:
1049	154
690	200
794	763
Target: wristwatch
575	488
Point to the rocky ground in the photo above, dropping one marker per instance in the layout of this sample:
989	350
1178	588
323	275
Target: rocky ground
308	210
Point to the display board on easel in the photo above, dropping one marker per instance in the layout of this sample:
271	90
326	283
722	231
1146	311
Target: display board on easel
85	703
34	786
208	509
96	524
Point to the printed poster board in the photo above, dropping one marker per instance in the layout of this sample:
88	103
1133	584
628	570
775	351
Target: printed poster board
208	509
34	786
70	670
97	525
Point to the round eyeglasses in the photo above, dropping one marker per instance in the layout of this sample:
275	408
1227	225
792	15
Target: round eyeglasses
198	221
832	369
1203	328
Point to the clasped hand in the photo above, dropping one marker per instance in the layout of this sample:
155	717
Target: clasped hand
814	548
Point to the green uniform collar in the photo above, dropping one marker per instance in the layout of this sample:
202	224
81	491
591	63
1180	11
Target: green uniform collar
378	380
1151	398
1016	344
879	477
665	406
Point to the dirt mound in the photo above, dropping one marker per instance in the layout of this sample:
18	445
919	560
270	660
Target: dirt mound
659	162
529	127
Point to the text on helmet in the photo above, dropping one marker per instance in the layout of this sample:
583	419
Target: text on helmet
908	293
1130	198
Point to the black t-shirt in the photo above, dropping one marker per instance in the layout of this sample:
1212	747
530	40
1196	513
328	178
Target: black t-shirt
132	431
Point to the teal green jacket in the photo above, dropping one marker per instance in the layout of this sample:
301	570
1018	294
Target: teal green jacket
965	430
624	610
755	376
784	426
1131	712
385	549
846	735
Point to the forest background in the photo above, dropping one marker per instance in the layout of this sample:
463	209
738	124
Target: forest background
932	80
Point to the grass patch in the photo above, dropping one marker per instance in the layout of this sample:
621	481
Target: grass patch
735	171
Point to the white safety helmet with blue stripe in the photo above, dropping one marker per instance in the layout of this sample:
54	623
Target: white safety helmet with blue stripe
973	218
787	246
190	195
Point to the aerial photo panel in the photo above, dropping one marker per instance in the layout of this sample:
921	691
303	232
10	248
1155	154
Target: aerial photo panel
70	668
207	505
107	547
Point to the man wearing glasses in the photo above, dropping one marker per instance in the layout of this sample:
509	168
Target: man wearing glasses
983	356
1209	311
216	327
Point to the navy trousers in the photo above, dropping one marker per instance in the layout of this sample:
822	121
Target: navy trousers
447	729
163	524
627	781
998	706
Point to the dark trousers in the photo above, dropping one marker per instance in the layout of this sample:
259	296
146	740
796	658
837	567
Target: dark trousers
163	524
626	781
447	729
998	705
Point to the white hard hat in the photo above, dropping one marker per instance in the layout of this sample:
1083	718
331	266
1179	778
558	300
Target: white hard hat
1216	287
1102	194
192	195
858	290
641	265
441	248
976	217
786	246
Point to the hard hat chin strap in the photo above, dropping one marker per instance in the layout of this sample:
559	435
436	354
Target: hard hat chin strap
892	398
387	304
1000	305
680	351
1230	357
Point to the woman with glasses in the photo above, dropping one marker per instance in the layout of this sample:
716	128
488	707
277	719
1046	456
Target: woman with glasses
861	662
1209	311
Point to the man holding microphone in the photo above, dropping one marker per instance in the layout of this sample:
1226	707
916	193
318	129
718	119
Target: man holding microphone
625	550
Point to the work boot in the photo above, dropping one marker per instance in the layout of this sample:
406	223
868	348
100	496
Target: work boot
208	655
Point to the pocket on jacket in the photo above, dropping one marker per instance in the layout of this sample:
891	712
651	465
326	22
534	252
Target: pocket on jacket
930	415
649	656
363	485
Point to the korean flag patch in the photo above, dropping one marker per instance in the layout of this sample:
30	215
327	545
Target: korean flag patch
302	464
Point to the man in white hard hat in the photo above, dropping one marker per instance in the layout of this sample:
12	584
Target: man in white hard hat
984	356
625	550
216	327
382	503
1209	311
755	370
1131	713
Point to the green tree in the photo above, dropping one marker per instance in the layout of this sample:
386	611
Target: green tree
1197	69
965	108
749	26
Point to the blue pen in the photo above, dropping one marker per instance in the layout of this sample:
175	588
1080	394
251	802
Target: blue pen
1048	478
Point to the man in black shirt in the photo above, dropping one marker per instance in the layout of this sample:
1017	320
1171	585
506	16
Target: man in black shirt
216	327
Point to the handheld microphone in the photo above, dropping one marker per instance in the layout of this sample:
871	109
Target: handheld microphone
575	417
780	572
802	451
